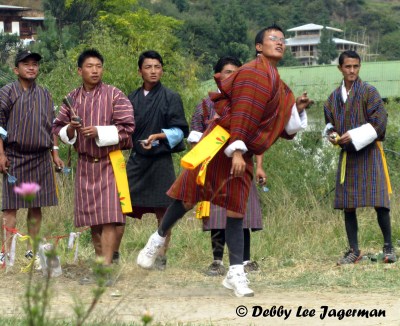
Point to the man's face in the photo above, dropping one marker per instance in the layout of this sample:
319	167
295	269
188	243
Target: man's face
91	71
151	71
350	69
27	69
273	45
228	70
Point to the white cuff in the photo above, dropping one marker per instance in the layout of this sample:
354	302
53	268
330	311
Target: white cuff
297	122
64	136
107	136
3	133
328	126
363	136
194	136
236	145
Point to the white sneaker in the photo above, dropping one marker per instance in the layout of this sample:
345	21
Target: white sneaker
238	282
147	256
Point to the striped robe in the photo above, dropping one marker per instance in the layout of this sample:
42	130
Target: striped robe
27	115
96	196
217	219
365	183
254	106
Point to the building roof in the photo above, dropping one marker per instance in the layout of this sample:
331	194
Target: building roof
294	41
16	8
33	18
320	81
312	27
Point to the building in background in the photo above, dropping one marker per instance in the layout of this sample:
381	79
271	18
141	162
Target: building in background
304	44
22	21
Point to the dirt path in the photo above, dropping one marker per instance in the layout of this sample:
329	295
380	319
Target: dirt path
180	297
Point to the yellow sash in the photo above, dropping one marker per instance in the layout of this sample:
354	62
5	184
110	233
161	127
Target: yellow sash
203	209
385	168
343	168
204	151
121	178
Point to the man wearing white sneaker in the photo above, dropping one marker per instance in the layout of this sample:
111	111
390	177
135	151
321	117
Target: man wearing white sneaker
256	108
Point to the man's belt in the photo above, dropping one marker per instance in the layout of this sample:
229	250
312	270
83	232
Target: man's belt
91	159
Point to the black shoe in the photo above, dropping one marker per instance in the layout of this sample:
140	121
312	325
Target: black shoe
160	263
350	257
215	269
389	256
251	267
115	258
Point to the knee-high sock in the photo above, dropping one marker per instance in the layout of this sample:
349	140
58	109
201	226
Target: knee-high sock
384	223
246	246
350	221
174	212
218	243
234	240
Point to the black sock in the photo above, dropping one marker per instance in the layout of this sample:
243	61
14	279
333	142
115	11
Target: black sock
350	222
218	243
234	240
174	212
384	223
246	247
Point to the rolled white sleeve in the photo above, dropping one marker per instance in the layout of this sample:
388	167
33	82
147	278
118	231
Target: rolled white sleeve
363	136
194	136
64	136
236	145
107	136
297	122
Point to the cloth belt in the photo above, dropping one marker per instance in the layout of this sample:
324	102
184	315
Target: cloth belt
91	159
204	151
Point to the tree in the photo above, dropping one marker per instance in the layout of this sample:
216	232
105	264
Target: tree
327	48
9	44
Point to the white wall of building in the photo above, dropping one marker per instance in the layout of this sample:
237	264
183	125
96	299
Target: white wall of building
1	27
15	28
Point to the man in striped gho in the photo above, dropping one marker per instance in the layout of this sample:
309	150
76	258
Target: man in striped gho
27	147
356	120
256	108
100	122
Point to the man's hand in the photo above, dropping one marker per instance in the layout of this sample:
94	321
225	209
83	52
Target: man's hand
345	139
4	163
261	176
147	143
89	132
303	102
238	164
57	160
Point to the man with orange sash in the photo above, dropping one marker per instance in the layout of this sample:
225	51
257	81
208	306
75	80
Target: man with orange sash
99	122
356	120
256	108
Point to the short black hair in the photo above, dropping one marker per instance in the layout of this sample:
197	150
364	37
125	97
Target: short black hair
348	54
89	53
227	60
260	35
151	54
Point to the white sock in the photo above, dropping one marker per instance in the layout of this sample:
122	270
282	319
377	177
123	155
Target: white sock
158	238
236	268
